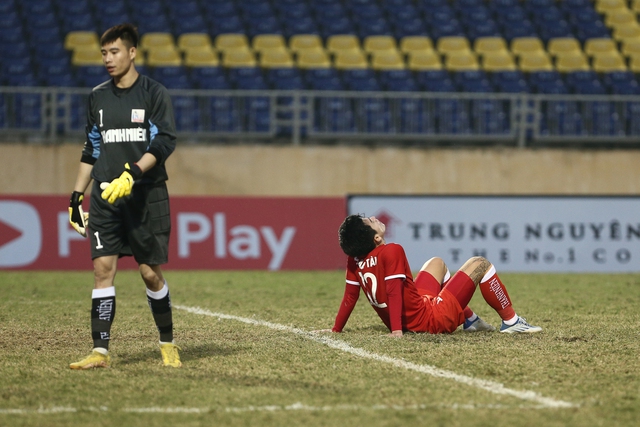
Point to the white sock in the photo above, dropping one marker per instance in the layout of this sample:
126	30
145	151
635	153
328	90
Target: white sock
511	321
101	350
473	318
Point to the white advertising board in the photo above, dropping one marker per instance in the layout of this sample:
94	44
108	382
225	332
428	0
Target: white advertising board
518	234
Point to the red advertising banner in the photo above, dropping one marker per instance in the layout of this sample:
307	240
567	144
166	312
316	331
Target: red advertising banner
208	233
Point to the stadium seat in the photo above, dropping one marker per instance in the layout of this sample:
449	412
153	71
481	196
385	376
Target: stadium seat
599	46
484	45
375	44
238	58
535	62
527	46
424	61
564	46
631	48
263	42
313	60
624	34
461	61
620	18
571	63
194	41
86	56
303	42
350	59
201	58
410	44
232	41
390	60
453	44
168	57
343	42
156	41
606	6
609	63
498	61
276	59
82	39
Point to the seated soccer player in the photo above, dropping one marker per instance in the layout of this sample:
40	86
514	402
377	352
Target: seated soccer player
435	302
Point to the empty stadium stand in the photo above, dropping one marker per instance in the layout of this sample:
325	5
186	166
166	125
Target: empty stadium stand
456	67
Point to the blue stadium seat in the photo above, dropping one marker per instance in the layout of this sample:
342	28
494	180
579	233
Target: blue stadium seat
187	113
397	80
509	81
473	81
77	22
209	78
10	19
339	25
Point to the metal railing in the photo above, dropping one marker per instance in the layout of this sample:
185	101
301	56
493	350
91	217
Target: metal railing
48	114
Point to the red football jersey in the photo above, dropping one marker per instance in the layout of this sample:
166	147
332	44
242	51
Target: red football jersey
385	277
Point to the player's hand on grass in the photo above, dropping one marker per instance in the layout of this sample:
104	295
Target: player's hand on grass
121	186
396	334
78	219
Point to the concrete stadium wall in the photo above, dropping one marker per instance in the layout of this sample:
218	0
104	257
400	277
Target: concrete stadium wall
262	170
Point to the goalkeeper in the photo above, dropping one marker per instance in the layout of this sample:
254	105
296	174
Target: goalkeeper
130	133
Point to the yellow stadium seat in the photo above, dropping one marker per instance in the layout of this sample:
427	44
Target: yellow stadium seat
373	44
498	61
421	61
535	62
163	58
631	48
239	58
599	46
276	58
225	42
313	59
343	42
82	39
620	18
571	63
201	58
409	44
606	6
453	44
262	42
484	45
389	60
191	41
300	42
622	34
350	59
609	63
153	41
564	46
526	46
84	56
461	61
634	64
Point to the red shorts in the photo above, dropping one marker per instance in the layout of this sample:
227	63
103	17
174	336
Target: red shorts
444	313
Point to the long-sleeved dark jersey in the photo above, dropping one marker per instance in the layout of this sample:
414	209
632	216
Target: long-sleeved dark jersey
123	124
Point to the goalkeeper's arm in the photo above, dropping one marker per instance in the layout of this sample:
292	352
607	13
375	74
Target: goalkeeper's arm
79	219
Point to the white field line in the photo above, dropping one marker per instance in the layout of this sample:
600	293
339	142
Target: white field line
490	386
295	407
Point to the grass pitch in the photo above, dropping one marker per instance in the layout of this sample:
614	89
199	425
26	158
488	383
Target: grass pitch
249	359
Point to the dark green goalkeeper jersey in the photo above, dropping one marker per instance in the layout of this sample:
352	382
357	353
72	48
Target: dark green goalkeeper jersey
123	124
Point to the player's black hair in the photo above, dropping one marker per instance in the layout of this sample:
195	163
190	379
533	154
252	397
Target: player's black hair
125	32
356	237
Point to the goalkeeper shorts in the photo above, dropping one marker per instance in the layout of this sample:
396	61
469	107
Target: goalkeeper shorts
138	225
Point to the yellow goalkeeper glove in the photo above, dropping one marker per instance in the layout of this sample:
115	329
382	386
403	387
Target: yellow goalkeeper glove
122	185
78	219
